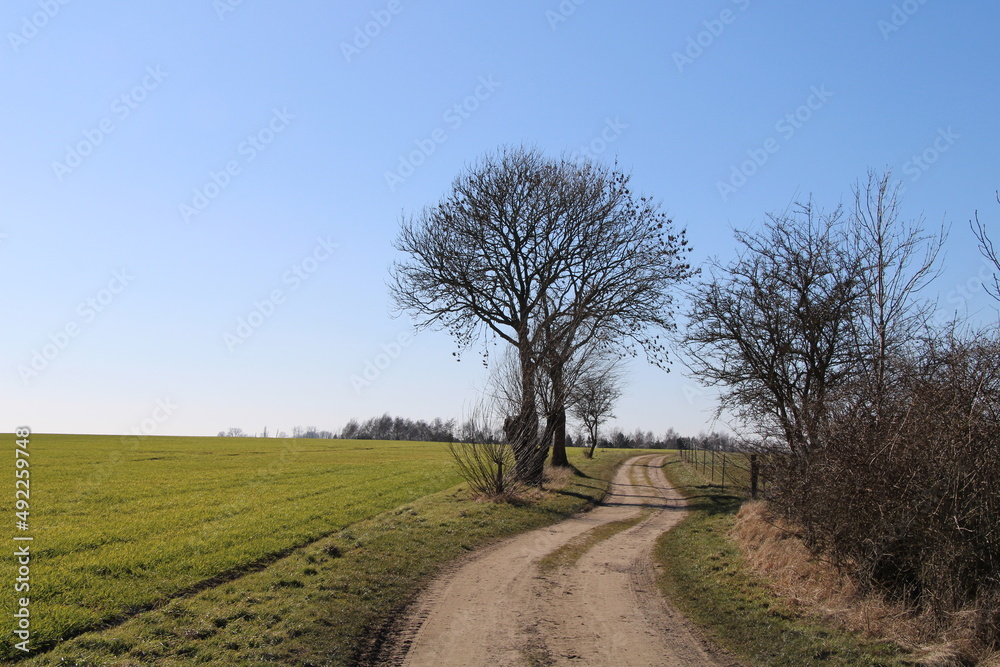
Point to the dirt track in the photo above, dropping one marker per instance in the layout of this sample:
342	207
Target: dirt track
499	609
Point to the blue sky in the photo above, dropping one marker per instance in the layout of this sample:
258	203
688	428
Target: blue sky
170	169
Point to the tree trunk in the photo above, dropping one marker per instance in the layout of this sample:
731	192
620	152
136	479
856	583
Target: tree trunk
593	441
527	464
559	438
558	417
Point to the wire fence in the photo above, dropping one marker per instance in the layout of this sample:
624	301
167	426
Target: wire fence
740	472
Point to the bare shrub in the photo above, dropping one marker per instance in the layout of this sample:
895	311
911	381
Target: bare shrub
486	459
773	549
908	503
882	436
487	467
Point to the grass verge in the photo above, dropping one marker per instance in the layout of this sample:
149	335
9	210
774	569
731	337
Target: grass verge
320	604
705	576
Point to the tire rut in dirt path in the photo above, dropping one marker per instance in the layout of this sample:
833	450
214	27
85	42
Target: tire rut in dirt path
500	609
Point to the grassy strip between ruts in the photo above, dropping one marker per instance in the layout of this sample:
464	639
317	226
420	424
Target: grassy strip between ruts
318	605
704	575
572	551
568	554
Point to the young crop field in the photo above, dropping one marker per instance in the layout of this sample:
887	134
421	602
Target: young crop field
120	525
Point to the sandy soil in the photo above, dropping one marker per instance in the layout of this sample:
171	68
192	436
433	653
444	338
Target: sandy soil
499	609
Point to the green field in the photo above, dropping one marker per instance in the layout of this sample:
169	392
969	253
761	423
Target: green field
121	525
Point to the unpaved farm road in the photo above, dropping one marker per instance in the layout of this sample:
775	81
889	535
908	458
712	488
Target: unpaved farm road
499	608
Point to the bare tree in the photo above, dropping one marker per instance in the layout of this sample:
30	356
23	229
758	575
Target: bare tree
809	316
594	396
483	258
547	255
897	260
774	327
616	296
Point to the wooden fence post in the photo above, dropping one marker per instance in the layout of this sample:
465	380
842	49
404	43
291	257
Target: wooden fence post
754	472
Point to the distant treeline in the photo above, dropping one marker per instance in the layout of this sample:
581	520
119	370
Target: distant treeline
617	439
388	427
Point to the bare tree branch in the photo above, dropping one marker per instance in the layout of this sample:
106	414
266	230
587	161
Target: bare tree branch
988	251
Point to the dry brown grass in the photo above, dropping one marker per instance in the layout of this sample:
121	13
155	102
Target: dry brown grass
772	550
557	477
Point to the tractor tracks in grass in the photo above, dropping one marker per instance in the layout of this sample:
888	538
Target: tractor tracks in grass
581	592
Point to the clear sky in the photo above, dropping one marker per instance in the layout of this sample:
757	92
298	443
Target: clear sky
170	169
